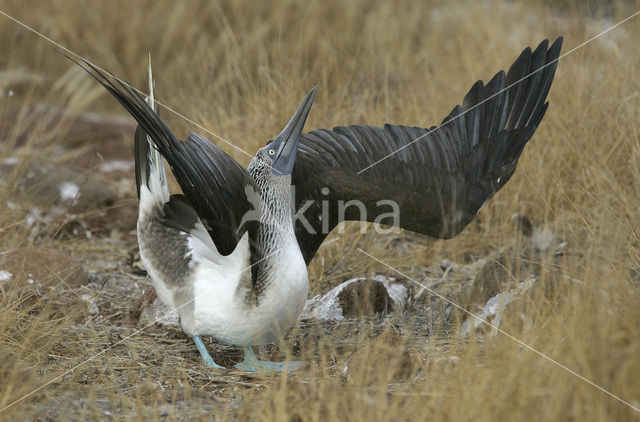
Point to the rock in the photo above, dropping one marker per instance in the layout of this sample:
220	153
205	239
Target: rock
92	193
135	262
39	267
72	204
533	270
446	265
495	307
536	254
538	237
501	274
384	360
491	280
364	297
92	307
523	224
122	216
153	311
51	185
359	297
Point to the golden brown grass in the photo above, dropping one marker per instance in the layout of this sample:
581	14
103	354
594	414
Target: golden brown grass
239	69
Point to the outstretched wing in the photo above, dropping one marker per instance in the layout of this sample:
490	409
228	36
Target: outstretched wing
219	189
438	177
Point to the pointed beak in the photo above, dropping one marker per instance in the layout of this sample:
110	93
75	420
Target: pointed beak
286	144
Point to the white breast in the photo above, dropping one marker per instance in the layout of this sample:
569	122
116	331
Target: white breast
212	302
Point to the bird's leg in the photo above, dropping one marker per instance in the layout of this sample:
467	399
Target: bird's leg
252	364
206	357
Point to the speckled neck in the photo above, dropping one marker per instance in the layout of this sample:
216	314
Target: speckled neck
275	235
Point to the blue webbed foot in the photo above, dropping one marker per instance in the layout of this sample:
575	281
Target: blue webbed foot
252	364
206	357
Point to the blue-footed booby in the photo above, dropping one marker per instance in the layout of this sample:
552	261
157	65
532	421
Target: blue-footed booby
224	254
230	254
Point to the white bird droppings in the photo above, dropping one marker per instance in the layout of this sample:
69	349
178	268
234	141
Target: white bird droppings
68	191
10	161
542	239
116	165
32	217
5	275
91	302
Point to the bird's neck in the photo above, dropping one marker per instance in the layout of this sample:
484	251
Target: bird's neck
275	238
276	218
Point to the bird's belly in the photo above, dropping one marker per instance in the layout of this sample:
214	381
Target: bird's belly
212	298
228	315
281	304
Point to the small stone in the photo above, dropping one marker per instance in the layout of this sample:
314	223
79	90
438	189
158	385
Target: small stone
446	265
523	224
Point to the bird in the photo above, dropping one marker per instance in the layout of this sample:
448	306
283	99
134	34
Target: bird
433	180
230	253
223	253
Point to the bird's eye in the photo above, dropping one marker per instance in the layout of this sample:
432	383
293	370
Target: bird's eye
272	151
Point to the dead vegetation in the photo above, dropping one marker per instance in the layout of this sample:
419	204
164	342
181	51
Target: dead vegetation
75	351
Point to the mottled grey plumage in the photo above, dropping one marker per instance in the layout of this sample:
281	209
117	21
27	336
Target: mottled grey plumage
167	245
438	182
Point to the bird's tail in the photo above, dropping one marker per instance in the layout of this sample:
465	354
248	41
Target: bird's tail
151	180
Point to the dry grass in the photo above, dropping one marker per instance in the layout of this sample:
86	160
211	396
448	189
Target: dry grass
239	69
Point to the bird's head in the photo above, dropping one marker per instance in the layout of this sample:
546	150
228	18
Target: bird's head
279	155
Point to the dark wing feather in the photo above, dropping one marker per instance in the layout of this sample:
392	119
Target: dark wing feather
440	181
212	182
